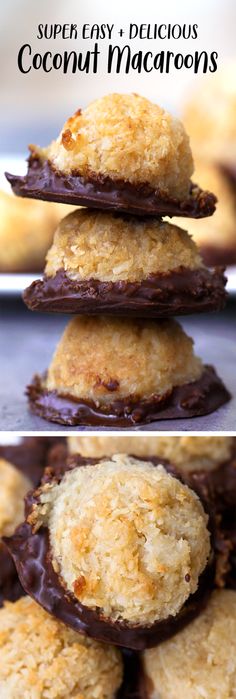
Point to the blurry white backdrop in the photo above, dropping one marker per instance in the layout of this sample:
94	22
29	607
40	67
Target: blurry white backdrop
34	106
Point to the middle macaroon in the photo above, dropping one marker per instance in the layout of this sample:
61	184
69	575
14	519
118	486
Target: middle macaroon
104	263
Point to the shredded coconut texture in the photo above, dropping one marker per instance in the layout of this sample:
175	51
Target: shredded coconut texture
218	230
125	137
13	488
210	116
103	359
40	658
200	661
126	537
188	453
26	231
96	245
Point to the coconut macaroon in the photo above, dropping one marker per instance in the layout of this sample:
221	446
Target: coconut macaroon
125	546
26	232
105	263
200	661
210	117
118	371
123	153
216	238
188	453
41	657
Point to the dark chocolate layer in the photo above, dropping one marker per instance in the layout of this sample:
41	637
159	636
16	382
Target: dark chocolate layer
32	556
181	292
44	182
189	400
10	587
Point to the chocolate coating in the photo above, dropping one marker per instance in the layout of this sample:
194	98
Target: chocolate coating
32	555
181	292
191	399
217	491
44	182
10	587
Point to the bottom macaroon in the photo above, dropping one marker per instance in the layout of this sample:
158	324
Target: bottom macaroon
120	372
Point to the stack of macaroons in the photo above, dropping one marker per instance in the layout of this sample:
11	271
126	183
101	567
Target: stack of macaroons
130	162
117	554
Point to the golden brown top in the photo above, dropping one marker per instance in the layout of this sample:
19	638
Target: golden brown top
125	137
126	537
103	359
200	661
13	488
43	659
97	245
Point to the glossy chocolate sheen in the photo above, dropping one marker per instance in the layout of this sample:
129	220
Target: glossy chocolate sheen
189	400
32	556
45	182
181	292
10	587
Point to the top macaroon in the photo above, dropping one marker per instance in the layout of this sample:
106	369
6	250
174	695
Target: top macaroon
122	153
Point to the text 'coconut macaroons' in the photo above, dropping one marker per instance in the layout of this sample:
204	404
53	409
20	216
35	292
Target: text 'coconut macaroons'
122	153
123	265
124	546
41	657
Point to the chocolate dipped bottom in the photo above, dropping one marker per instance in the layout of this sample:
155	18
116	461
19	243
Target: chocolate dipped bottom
189	400
43	181
177	293
32	554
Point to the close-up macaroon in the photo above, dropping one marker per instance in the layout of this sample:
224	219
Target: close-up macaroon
13	488
40	657
123	265
122	153
121	372
121	544
198	662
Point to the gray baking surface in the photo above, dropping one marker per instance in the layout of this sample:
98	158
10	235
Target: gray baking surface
27	341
